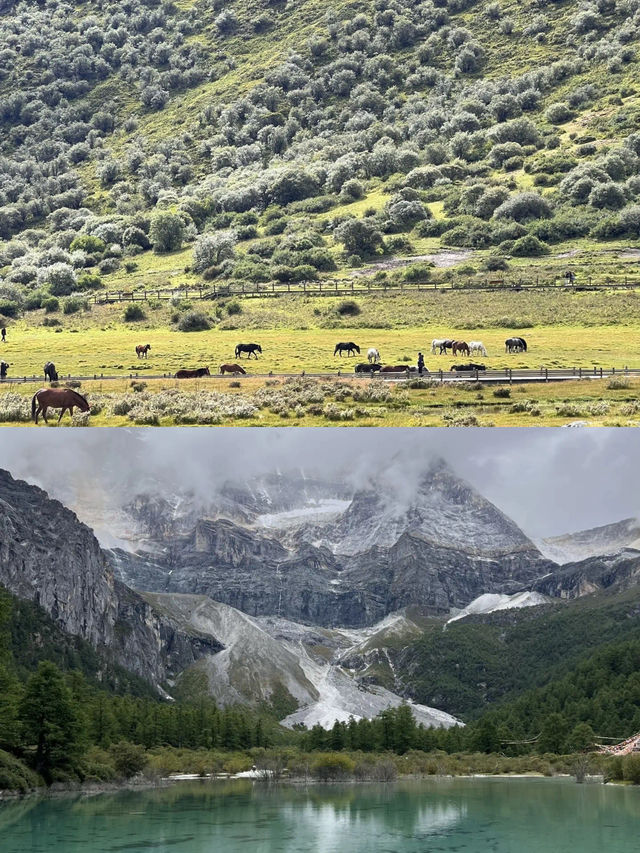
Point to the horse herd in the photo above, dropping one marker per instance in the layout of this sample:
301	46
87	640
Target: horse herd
66	399
142	351
474	347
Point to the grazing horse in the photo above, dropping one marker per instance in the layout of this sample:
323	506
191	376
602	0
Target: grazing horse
349	347
460	346
4	366
192	374
515	345
373	355
57	398
231	368
365	367
459	368
442	345
142	350
398	368
250	349
477	347
50	372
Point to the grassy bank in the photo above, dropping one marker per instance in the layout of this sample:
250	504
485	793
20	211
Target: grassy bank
117	767
254	401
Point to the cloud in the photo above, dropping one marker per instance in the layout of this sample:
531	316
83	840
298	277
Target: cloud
549	481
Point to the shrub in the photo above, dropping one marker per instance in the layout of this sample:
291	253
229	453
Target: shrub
133	312
558	113
60	277
417	272
88	243
234	307
529	246
9	308
128	758
358	236
631	769
211	249
609	196
51	304
166	232
348	308
72	305
15	776
89	281
332	767
194	321
523	206
493	264
108	265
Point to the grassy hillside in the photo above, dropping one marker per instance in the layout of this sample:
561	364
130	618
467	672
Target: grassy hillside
154	144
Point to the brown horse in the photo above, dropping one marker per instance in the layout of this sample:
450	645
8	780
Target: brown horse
142	350
460	346
57	398
398	368
193	374
231	368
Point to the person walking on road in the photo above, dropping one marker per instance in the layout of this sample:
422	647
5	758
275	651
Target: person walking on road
420	363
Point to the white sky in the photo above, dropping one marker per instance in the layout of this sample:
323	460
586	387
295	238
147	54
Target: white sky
549	481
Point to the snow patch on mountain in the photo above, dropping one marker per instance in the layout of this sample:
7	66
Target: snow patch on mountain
490	602
319	511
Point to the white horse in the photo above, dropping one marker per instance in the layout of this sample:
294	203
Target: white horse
477	347
373	356
440	344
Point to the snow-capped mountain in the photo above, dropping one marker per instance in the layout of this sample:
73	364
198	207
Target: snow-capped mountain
323	553
595	542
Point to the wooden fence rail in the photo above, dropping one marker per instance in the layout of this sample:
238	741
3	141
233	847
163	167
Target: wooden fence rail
354	288
506	376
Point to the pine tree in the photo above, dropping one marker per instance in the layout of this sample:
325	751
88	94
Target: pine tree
50	721
9	698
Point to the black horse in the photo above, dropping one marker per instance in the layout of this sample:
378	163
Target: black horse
250	349
461	368
365	367
349	347
515	345
4	366
50	372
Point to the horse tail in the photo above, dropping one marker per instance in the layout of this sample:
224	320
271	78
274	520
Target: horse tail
34	404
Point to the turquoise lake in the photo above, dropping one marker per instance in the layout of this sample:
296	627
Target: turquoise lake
469	815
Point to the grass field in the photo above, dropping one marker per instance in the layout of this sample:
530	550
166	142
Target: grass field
299	334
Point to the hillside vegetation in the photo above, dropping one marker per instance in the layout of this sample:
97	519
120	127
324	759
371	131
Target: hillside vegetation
153	143
479	662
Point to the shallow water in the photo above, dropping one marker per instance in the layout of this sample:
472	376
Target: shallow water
468	815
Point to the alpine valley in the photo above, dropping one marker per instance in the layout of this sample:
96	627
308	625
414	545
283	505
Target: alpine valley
318	600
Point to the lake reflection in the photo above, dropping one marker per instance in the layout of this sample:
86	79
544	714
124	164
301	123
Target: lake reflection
468	815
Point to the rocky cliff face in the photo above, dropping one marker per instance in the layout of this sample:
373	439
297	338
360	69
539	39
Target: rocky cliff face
574	580
49	557
298	549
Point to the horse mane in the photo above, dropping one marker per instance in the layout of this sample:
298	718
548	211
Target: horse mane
75	394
